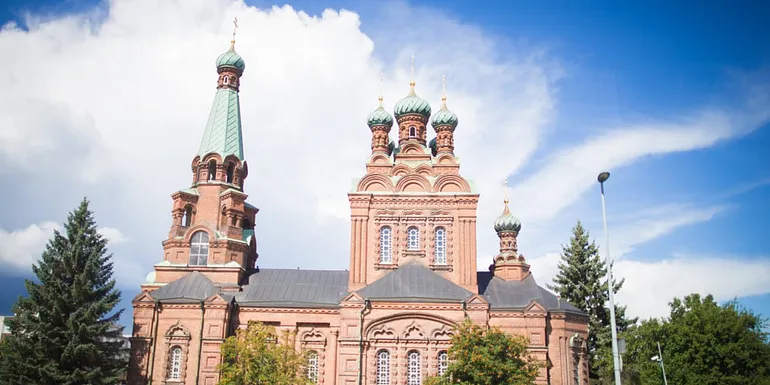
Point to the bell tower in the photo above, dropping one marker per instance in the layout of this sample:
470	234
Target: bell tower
212	228
412	205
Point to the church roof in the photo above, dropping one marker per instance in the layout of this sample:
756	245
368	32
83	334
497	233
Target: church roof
414	282
505	295
193	286
223	134
294	288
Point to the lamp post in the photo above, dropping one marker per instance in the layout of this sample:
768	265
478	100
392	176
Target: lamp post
610	284
659	359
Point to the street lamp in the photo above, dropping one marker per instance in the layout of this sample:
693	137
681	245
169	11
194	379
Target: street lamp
659	360
610	283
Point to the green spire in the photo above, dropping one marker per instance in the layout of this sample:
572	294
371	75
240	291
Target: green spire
223	133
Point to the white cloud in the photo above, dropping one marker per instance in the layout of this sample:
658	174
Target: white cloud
118	99
21	248
113	235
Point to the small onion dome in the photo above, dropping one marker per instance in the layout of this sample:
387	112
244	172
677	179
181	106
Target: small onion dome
231	60
412	104
433	146
507	222
379	117
444	117
391	147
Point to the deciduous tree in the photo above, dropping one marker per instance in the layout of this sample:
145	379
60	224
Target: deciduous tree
487	356
256	355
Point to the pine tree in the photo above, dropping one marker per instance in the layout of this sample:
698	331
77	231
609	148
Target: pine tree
582	281
65	332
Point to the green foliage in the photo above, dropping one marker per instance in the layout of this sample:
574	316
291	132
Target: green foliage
255	356
702	343
481	356
581	281
63	332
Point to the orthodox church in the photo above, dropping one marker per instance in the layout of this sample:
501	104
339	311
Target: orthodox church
388	318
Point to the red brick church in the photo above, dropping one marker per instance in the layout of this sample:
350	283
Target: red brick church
388	318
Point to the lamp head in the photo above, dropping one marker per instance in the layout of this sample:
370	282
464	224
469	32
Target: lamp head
655	358
603	177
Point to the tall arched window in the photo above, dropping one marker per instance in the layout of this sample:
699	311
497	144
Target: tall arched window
212	170
175	364
386	251
199	248
440	246
230	172
312	366
412	132
225	80
383	368
413	372
443	362
412	239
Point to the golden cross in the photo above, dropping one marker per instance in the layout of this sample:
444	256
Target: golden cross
381	82
235	26
443	90
505	189
412	71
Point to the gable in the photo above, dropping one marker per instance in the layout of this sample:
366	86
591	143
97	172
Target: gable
414	282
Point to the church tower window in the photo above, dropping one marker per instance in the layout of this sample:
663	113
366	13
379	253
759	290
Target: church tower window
230	172
199	248
440	246
187	216
212	170
412	132
443	362
312	366
225	80
175	367
386	251
414	375
383	367
413	238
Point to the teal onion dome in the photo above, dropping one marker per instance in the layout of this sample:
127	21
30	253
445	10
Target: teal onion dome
412	104
231	60
379	117
444	117
433	145
507	222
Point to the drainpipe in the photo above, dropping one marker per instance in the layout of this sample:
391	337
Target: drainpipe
200	344
361	342
154	338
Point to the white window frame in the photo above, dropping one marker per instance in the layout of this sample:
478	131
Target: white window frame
312	366
386	245
443	362
198	244
439	246
382	377
413	238
413	368
175	364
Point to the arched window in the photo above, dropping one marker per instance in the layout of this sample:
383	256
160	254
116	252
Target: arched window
225	80
175	364
230	172
440	246
187	216
383	368
412	132
443	362
312	366
246	224
413	372
223	218
386	251
412	239
212	170
199	248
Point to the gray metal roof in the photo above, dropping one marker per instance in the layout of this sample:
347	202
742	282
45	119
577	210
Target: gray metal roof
503	294
191	287
414	282
294	288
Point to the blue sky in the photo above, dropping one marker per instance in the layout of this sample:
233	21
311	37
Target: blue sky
611	68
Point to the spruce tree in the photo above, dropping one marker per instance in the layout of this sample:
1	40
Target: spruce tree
582	281
65	332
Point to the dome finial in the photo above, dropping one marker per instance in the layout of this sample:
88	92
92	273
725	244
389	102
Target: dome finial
235	29
505	194
412	83
443	90
381	82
